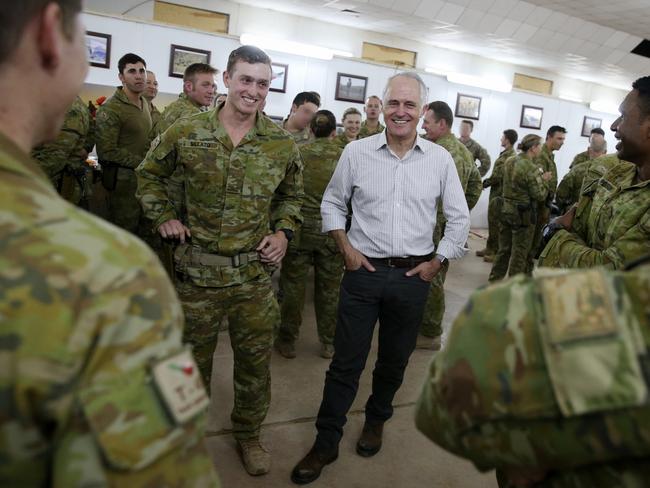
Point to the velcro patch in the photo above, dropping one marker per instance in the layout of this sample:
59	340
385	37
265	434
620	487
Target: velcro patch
198	144
180	385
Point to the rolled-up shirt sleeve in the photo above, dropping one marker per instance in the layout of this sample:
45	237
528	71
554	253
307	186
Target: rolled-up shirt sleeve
454	207
334	206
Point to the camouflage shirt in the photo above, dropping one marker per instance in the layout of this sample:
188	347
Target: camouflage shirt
579	158
234	196
568	191
123	131
611	226
546	161
365	131
156	118
495	181
522	182
69	147
545	377
468	173
304	136
85	310
341	140
183	106
478	152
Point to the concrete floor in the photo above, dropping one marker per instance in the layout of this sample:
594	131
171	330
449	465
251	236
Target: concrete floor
407	458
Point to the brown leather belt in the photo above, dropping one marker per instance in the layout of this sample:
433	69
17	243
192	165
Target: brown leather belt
404	262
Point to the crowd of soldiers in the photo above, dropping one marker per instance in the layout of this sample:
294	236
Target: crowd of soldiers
223	196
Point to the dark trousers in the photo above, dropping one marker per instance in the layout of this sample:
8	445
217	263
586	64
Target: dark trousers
398	302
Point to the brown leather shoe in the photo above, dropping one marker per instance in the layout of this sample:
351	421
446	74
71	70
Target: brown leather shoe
310	467
481	253
369	443
488	258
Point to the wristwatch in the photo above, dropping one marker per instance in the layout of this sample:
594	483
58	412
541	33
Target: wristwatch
547	234
288	233
443	260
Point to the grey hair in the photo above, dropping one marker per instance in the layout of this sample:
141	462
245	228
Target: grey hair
413	76
598	144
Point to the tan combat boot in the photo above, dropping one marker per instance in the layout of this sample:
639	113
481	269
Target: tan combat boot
326	351
256	458
481	253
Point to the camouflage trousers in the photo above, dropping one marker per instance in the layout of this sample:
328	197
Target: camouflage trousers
514	249
494	211
543	218
328	271
434	309
252	312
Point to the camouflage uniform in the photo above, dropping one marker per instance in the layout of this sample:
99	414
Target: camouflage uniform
470	180
123	137
494	182
86	312
234	197
64	159
545	378
311	246
156	118
523	190
568	191
341	140
304	136
611	225
478	152
546	161
365	131
579	158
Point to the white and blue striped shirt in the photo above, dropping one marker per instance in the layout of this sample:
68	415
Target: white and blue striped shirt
394	200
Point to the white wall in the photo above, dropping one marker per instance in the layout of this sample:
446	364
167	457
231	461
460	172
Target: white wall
499	111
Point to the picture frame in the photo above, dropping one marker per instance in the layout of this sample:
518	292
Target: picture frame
180	57
98	47
351	88
590	123
531	117
468	106
279	80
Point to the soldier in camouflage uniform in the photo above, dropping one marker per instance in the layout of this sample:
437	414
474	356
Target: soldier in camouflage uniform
243	192
584	156
64	159
494	182
351	123
438	120
478	152
123	138
568	191
524	186
371	125
303	108
310	246
543	380
93	365
611	224
546	162
150	92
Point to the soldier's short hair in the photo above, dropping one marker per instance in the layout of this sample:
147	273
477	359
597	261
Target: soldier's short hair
350	111
129	58
323	123
441	111
468	122
553	129
376	98
306	97
14	17
196	69
247	54
597	130
511	135
642	85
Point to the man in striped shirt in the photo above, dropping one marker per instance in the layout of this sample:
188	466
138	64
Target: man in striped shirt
392	181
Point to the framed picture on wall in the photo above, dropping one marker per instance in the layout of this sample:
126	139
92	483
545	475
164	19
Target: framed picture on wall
98	46
468	106
351	88
590	123
181	57
531	117
279	81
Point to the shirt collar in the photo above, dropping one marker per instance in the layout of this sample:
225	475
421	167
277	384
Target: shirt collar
421	144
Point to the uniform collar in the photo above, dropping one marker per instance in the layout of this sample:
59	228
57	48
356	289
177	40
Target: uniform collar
19	162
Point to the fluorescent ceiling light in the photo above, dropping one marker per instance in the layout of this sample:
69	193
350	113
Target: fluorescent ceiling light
570	98
604	106
438	70
291	47
480	82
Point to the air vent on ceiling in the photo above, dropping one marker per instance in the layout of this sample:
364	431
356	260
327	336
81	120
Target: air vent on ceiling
642	49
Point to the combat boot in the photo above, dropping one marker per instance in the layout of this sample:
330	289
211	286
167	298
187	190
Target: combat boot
256	458
481	253
286	349
488	258
326	351
430	343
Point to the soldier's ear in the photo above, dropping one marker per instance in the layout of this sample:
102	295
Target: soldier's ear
50	36
226	79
